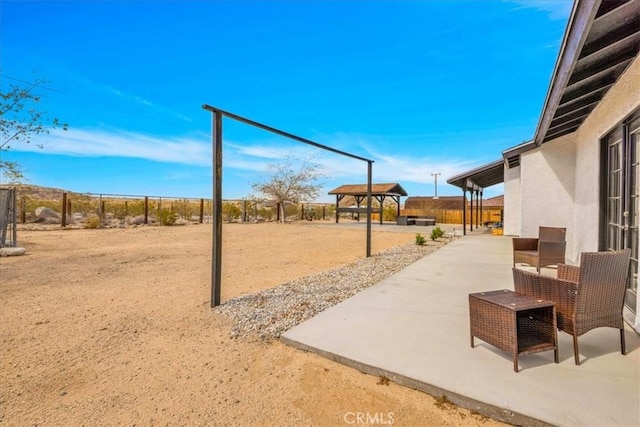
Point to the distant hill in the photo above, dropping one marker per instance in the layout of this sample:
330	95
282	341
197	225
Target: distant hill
38	192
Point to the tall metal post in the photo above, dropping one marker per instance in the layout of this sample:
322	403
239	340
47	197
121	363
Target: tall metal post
480	206
464	210
369	190
216	276
471	222
216	273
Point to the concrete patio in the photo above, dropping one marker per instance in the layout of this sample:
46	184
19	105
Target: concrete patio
413	327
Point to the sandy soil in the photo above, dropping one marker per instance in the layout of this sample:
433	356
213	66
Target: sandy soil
114	327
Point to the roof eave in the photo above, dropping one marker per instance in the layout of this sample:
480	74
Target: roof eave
582	16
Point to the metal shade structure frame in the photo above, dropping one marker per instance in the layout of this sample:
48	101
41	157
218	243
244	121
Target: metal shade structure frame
216	135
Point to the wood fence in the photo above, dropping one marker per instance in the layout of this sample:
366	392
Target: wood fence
446	216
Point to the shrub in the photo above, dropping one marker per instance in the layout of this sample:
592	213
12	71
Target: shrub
93	221
420	239
436	233
231	211
389	213
167	217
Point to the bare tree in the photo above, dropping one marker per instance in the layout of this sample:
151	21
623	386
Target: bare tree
20	120
292	181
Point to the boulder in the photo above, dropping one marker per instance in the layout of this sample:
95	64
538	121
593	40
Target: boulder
46	213
9	251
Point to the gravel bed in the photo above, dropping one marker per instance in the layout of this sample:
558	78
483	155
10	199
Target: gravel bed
269	313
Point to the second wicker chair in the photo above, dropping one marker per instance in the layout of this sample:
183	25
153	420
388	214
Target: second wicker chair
587	297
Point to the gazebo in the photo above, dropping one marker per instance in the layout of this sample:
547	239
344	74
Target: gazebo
359	193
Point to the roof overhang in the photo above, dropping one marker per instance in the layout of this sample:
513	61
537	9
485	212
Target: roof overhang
601	40
511	155
481	177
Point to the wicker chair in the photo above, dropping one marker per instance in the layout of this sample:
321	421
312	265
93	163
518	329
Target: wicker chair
586	297
547	249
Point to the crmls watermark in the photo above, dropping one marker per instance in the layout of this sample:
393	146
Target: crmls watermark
368	418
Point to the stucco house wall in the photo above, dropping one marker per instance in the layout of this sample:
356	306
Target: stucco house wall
619	101
558	184
547	188
512	197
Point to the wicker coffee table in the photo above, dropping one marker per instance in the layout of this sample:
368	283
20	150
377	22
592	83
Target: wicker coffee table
515	323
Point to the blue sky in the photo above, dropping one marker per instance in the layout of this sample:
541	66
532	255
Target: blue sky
417	86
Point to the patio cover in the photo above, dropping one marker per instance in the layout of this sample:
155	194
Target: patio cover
475	181
359	193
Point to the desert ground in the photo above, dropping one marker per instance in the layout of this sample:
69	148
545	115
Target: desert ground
114	327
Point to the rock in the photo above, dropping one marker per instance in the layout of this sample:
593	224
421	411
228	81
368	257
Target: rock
12	251
46	213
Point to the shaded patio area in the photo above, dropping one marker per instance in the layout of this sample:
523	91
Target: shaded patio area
413	327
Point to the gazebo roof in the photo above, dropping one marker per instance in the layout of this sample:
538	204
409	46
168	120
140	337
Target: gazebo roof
392	189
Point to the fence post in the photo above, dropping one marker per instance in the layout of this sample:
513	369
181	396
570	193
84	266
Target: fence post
23	210
14	227
146	209
201	210
100	209
63	223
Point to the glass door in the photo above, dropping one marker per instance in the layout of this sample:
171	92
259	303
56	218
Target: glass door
622	203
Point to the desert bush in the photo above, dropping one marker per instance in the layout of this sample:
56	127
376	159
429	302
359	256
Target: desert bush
93	221
389	213
185	208
436	233
83	204
291	212
265	213
116	208
166	217
420	239
231	211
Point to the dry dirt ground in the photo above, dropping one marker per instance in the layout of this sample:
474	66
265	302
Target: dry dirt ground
114	327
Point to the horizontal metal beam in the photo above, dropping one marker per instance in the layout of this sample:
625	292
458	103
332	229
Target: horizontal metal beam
282	133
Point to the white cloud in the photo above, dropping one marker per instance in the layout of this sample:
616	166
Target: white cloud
254	158
96	143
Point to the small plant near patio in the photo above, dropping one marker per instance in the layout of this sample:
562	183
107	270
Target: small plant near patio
436	233
383	380
420	239
443	402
